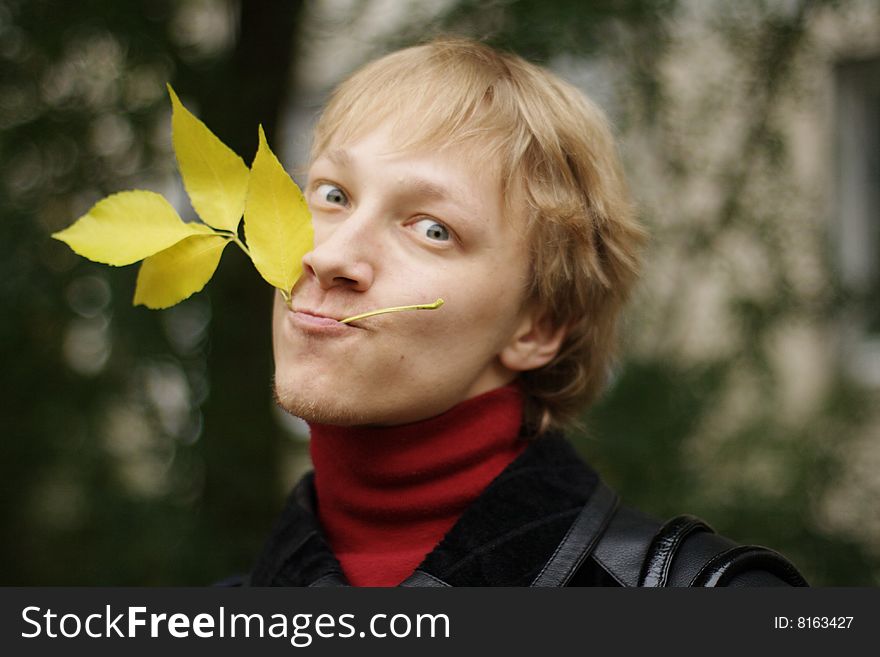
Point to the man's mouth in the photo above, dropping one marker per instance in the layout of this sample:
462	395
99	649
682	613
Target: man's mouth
316	316
315	323
306	317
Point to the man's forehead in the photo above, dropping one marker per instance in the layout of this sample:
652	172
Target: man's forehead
404	137
440	173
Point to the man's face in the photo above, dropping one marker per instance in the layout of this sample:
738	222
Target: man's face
396	228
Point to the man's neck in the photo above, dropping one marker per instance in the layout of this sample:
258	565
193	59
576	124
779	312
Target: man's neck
387	495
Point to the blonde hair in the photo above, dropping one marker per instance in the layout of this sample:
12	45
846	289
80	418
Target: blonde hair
558	164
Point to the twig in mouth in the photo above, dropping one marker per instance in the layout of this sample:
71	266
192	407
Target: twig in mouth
395	309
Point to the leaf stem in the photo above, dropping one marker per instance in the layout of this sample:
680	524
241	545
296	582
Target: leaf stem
241	245
395	309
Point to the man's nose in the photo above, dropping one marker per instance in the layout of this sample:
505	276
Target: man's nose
343	256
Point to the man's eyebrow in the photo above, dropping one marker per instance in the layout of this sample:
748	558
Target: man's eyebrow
339	156
413	184
426	188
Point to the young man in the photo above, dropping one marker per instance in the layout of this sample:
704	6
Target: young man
450	170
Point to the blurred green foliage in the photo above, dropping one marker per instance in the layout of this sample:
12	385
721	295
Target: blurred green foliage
106	478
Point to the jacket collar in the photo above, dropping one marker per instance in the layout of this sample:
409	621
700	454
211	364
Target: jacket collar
503	539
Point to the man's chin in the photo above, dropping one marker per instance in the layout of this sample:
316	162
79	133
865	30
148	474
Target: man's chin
317	409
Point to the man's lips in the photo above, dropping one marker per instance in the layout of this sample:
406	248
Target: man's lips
316	323
317	317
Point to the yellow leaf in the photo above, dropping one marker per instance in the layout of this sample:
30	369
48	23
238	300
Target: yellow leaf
178	272
215	178
126	227
277	222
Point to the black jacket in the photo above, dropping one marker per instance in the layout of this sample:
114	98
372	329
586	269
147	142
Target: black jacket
546	520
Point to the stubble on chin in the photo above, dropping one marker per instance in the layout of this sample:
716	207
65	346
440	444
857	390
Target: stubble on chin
305	405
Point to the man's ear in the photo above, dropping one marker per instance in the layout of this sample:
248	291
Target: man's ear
534	344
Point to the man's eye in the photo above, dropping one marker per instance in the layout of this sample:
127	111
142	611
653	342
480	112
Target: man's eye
432	229
332	194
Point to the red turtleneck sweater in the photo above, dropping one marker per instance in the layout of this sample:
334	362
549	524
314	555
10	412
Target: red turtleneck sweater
387	495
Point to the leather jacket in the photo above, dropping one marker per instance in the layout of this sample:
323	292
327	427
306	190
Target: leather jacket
546	520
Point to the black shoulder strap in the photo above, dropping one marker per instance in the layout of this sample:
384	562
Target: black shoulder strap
636	550
723	567
580	539
624	546
657	565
